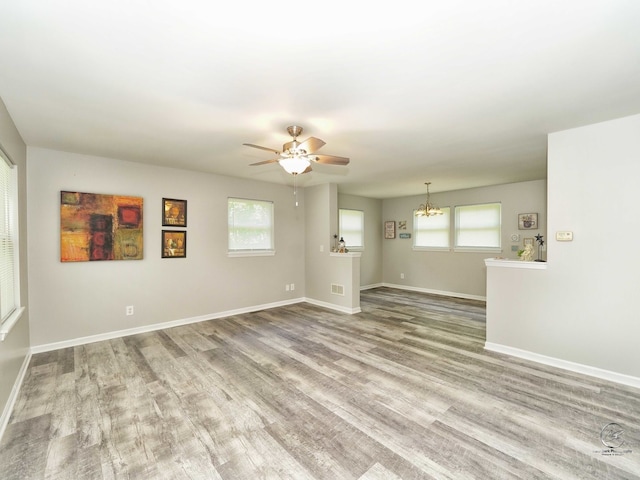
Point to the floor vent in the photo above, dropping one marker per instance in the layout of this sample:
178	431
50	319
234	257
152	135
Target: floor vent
337	289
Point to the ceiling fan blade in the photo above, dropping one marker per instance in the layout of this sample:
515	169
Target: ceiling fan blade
265	162
331	160
311	144
262	148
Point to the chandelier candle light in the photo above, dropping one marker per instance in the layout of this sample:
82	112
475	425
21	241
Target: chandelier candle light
428	209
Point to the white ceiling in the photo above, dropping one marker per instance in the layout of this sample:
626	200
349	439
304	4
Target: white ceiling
460	93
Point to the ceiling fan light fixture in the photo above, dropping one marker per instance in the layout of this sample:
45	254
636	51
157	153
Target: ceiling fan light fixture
294	165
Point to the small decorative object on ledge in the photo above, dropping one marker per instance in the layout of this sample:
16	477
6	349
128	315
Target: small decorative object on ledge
342	246
526	255
539	239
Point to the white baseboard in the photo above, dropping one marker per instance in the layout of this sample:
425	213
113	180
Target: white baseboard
332	306
369	287
13	396
157	326
565	365
435	292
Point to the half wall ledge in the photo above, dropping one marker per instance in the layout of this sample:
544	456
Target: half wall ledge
508	263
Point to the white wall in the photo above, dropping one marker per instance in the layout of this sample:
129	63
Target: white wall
14	349
583	309
75	300
371	260
458	273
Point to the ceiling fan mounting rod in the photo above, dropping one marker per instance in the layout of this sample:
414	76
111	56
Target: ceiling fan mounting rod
294	131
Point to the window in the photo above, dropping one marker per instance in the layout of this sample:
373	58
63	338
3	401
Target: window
9	277
432	233
250	227
478	227
351	223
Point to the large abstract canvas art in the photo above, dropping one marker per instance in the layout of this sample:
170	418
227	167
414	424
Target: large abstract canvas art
100	227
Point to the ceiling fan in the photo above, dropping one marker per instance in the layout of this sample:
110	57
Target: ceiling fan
296	157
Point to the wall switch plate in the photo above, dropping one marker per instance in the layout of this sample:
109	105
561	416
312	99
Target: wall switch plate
564	236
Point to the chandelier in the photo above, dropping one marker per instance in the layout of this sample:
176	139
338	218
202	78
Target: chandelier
427	209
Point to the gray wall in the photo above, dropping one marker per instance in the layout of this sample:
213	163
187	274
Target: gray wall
371	260
15	348
75	300
583	308
458	273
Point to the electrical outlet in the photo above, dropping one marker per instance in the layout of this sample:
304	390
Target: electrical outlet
286	287
129	310
293	287
321	248
402	276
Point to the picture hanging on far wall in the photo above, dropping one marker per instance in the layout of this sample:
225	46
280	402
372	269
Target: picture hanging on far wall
390	229
527	221
94	227
174	212
174	244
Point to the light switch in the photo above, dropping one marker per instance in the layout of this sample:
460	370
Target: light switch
564	236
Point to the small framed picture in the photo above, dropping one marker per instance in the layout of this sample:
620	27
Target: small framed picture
390	229
174	244
402	225
174	212
527	221
527	241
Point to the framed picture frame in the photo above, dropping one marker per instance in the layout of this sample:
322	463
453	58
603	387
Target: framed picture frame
174	212
390	229
527	221
174	243
527	241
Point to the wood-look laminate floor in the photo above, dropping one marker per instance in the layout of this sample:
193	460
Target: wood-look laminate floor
403	390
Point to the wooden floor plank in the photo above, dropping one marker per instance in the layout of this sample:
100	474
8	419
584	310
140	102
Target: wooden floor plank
402	390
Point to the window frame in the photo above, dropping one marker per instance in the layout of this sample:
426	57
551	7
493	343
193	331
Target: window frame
251	252
350	246
10	230
432	248
476	248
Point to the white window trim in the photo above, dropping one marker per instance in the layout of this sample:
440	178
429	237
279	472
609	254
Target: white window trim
477	249
13	317
10	322
353	248
251	253
474	249
431	249
256	252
